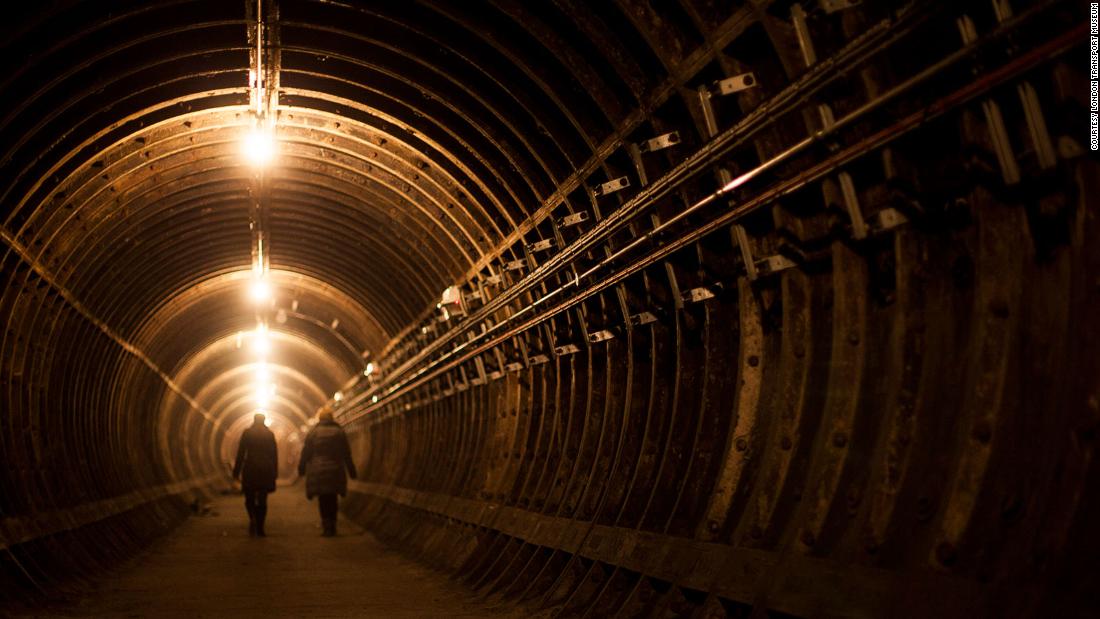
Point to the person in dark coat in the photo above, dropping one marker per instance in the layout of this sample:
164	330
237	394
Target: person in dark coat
325	455
257	467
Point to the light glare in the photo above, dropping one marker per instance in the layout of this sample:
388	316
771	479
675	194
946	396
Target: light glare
260	343
264	394
260	291
259	147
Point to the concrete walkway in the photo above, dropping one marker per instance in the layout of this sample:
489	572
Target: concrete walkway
209	567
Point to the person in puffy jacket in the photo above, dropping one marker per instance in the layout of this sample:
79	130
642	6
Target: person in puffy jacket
257	467
325	456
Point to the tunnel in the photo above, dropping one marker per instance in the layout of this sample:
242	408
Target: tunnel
628	308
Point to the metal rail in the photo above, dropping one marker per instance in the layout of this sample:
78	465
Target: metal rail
390	390
876	39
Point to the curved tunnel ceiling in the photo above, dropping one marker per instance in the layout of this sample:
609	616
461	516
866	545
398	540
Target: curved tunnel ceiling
741	296
398	171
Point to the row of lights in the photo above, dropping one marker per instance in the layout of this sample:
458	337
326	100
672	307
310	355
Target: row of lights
258	148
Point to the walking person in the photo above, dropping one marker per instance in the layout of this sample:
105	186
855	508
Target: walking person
257	467
325	455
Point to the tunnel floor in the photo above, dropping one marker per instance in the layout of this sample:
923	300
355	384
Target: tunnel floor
209	567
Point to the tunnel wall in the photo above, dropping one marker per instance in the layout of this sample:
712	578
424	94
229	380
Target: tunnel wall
765	307
895	423
86	480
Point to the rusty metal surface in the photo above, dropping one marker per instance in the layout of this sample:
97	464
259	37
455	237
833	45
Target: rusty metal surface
828	352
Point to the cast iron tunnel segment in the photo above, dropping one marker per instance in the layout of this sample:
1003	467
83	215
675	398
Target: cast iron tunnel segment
628	309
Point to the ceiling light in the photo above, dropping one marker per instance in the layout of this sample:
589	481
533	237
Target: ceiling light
261	343
260	291
262	397
259	147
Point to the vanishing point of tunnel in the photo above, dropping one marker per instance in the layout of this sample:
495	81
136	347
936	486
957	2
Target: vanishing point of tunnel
627	308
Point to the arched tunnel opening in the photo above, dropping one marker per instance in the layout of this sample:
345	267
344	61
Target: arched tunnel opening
692	308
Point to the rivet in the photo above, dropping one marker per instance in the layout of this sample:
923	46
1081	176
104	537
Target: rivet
982	432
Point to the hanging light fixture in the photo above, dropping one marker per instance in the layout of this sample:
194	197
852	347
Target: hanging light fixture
259	146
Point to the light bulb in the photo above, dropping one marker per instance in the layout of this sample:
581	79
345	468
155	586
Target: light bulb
260	291
259	147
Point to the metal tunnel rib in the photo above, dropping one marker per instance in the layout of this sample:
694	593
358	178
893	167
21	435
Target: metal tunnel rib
630	309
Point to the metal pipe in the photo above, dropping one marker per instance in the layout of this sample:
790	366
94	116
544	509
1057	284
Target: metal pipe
877	38
877	140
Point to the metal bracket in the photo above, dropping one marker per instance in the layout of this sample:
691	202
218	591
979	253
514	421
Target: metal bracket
515	265
1037	126
724	177
851	204
573	219
635	153
666	140
600	336
696	295
889	218
492	280
515	366
998	135
737	83
612	186
542	245
538	359
802	33
643	318
832	6
776	263
567	349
